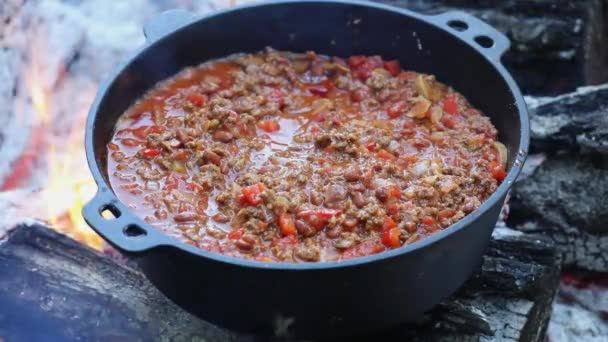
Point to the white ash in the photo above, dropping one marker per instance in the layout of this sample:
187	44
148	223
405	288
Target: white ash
571	323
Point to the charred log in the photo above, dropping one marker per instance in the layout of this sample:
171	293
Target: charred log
565	196
575	121
556	45
70	292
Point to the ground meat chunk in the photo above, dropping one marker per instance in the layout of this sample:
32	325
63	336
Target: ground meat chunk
308	251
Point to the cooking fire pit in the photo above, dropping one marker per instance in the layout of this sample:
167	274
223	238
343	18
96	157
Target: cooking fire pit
54	55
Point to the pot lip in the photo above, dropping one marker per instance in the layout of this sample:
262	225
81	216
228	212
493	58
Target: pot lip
168	241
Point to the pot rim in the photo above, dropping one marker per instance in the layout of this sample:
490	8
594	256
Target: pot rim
104	188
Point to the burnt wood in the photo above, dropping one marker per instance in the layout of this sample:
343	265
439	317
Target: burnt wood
557	45
576	122
70	292
564	197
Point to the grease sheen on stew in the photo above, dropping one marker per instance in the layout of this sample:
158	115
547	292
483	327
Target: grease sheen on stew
277	156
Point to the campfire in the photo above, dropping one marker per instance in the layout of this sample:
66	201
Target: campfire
56	83
56	53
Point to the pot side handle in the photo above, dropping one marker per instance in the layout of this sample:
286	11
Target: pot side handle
124	231
486	38
166	22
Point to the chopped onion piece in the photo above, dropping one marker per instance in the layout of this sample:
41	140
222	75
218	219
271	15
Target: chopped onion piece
152	185
410	192
501	151
448	186
430	180
421	168
437	166
381	71
393	146
438	137
300	65
428	88
336	67
419	109
436	114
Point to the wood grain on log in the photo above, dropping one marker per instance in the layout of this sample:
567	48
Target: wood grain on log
69	292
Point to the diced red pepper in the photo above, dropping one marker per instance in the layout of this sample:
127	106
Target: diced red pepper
393	67
317	218
196	99
318	90
450	105
236	234
287	224
389	223
394	191
367	247
374	62
355	61
498	172
252	193
362	66
384	154
359	94
390	238
269	125
407	160
396	109
449	122
371	145
363	72
429	224
427	220
151	152
393	209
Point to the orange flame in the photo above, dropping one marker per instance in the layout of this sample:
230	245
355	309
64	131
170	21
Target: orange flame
69	183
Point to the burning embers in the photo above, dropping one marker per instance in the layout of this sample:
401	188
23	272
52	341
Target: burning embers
51	105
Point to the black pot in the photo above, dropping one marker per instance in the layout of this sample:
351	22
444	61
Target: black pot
316	299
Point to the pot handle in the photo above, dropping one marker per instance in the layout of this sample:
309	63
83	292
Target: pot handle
124	231
475	31
166	22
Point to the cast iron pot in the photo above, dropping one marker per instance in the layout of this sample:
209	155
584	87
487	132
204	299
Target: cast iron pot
315	299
